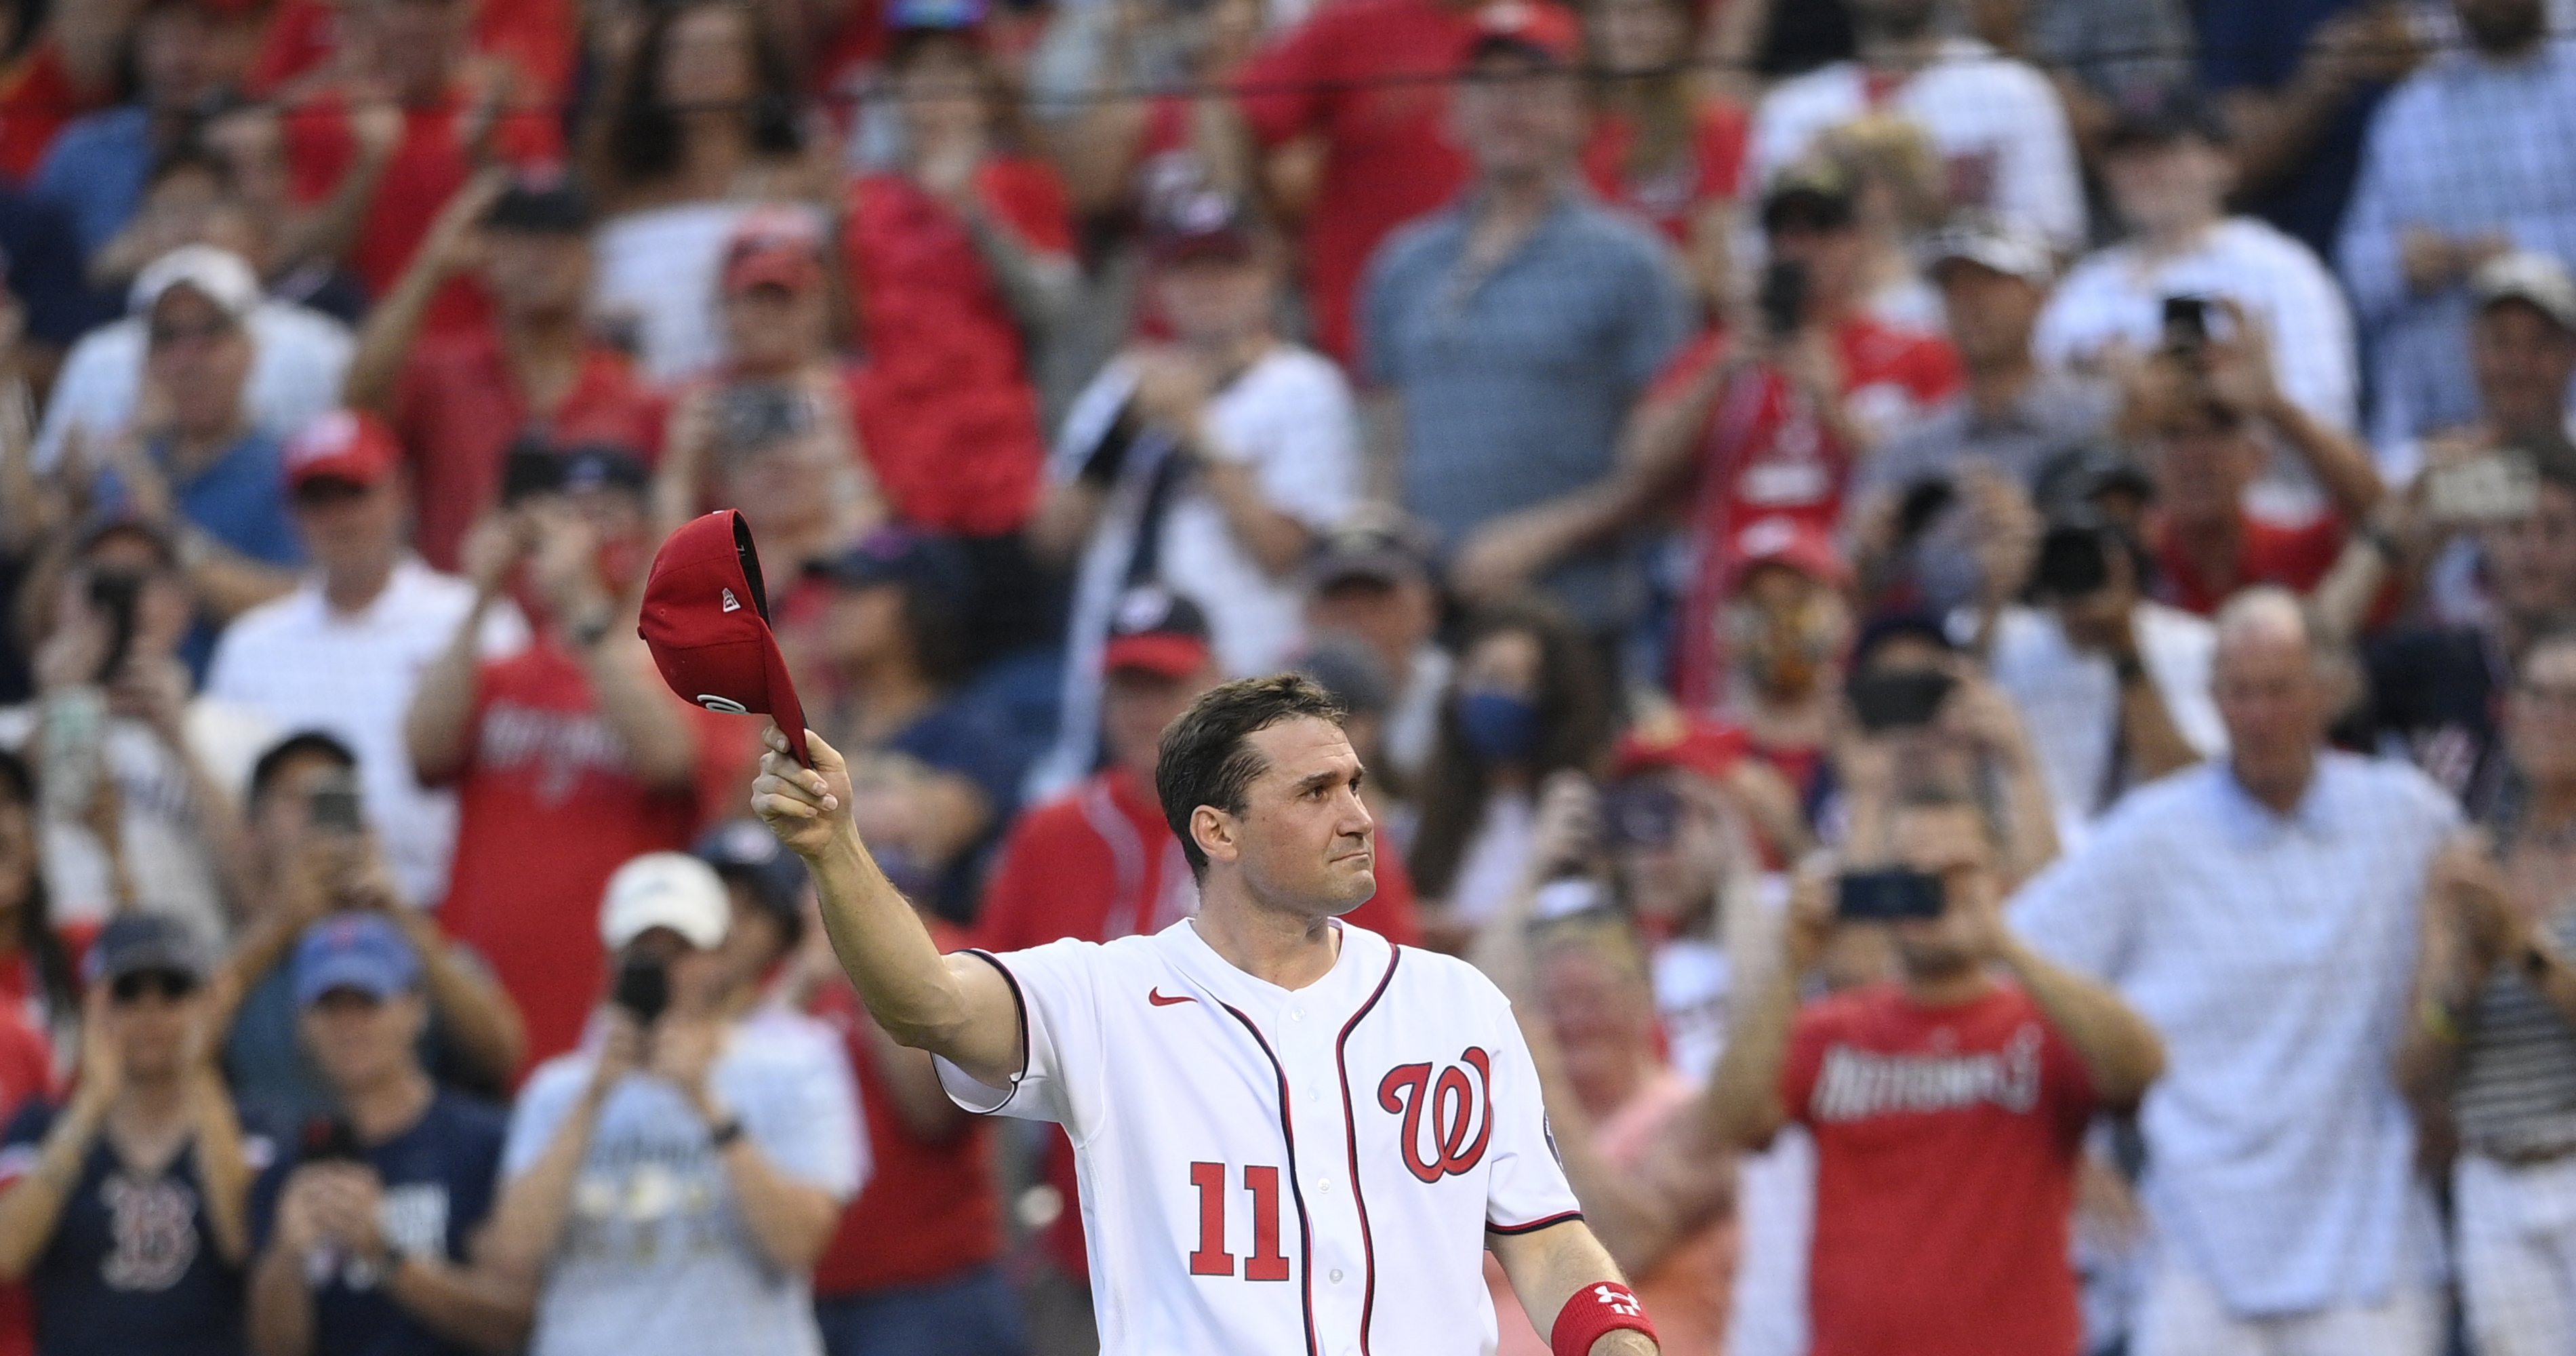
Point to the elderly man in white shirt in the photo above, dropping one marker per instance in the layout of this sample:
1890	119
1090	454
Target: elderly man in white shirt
344	652
2167	168
2261	911
297	358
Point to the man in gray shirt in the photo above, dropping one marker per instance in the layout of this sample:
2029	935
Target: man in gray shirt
1516	327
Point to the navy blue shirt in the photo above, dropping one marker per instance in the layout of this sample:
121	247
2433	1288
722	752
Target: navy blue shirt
132	1266
44	269
2246	46
439	1178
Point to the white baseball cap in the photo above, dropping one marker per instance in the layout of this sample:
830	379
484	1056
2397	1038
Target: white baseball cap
2527	276
665	890
221	275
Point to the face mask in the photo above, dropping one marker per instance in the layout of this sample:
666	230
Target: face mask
1499	727
1783	651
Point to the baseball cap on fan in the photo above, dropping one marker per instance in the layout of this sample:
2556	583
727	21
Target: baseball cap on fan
348	446
1801	546
665	890
1157	631
1542	31
706	620
2530	277
219	275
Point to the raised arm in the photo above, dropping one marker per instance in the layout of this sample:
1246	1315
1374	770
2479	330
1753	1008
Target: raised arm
956	1007
395	322
1742	1105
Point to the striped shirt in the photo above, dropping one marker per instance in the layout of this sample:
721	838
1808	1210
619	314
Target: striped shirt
2516	1097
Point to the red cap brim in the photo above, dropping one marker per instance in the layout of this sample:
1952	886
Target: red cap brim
1172	656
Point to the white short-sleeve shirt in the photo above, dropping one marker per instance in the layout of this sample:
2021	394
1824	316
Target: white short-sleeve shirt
1267	1171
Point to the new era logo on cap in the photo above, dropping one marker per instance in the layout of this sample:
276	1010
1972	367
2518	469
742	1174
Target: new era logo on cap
711	648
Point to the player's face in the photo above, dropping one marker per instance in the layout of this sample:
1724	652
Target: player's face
1304	841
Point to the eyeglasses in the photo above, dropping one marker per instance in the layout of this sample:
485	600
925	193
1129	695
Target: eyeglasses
167	985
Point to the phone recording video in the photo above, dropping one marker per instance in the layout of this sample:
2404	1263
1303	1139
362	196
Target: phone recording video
330	1139
332	806
2186	323
2074	562
1900	699
643	988
532	469
1890	896
114	595
1783	298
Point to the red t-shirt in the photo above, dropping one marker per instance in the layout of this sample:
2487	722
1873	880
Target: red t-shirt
37	100
1100	864
1369	77
1713	169
1767	453
949	416
545	812
536	36
2293	557
929	1210
1946	1147
428	166
26	1070
457	409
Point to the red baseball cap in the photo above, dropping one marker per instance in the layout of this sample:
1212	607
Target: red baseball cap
776	246
1158	631
1673	739
343	445
1800	545
1535	27
706	620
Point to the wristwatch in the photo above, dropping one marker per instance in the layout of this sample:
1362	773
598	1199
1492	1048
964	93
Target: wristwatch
725	1132
590	630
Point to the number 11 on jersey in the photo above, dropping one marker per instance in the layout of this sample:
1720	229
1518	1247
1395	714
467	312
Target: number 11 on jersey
1267	1262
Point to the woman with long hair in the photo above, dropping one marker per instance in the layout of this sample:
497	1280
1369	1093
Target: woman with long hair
1527	701
35	966
703	122
1662	145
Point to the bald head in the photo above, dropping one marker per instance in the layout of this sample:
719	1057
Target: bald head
2266	618
2271	681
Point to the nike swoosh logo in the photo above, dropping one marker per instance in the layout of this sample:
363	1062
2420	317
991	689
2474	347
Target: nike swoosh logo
1160	999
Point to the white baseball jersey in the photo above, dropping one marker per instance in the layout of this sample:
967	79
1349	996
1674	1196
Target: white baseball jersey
1267	1172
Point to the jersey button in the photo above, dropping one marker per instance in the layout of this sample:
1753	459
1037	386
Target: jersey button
1337	1275
1296	1014
1323	1186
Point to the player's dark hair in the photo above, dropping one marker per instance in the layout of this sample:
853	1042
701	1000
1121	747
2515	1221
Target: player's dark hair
1207	757
272	764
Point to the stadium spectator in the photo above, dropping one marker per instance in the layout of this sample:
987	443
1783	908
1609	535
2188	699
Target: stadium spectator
526	50
124	1207
1917	527
963	254
383	181
1948	1095
667	1187
1782	634
1370	577
1965	733
1997	124
39	999
1527	701
2522	355
2166	162
1771	426
62	63
312	863
1514	329
2201	415
40	261
1662	147
2491	1056
884	656
1897	200
1358	86
1654	1184
2100	54
296	355
2458	169
459	400
1207	464
568	757
2114	685
364	1231
2298	87
2261	912
698	124
2436	684
140	807
186	53
344	652
1348	670
248	140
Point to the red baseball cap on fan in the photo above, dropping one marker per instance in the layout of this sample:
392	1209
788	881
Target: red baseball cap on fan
349	446
1673	739
706	620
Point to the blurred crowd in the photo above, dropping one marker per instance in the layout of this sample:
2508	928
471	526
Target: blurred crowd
1971	604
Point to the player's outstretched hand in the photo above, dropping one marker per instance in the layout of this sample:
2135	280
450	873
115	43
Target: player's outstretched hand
803	806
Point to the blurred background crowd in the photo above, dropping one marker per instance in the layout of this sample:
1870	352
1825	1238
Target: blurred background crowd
1968	603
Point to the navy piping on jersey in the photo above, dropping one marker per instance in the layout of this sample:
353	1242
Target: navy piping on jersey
1351	1133
1020	1009
1515	1230
1305	1227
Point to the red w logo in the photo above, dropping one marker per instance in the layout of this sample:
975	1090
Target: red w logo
1454	1107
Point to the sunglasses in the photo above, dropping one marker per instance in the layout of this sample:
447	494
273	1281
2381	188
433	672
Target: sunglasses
167	985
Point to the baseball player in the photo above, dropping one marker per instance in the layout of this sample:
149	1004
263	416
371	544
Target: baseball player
1292	1136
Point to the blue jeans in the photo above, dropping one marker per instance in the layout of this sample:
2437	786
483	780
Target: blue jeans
973	1315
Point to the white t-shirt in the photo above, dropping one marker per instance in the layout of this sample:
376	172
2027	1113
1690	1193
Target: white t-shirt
172	869
656	276
1495	862
2070	701
2117	295
655	1257
298	357
352	676
1995	122
1268	1172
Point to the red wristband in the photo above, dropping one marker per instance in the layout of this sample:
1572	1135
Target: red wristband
1594	1310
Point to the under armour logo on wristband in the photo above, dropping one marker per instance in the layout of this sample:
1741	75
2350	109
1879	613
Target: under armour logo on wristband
1621	1302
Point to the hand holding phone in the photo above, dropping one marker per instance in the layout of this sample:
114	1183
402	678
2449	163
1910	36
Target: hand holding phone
1889	896
643	988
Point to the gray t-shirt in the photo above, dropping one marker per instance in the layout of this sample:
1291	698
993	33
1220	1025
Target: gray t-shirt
655	1256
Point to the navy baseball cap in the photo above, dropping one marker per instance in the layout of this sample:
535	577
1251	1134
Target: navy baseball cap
745	850
134	943
898	555
361	951
1157	631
